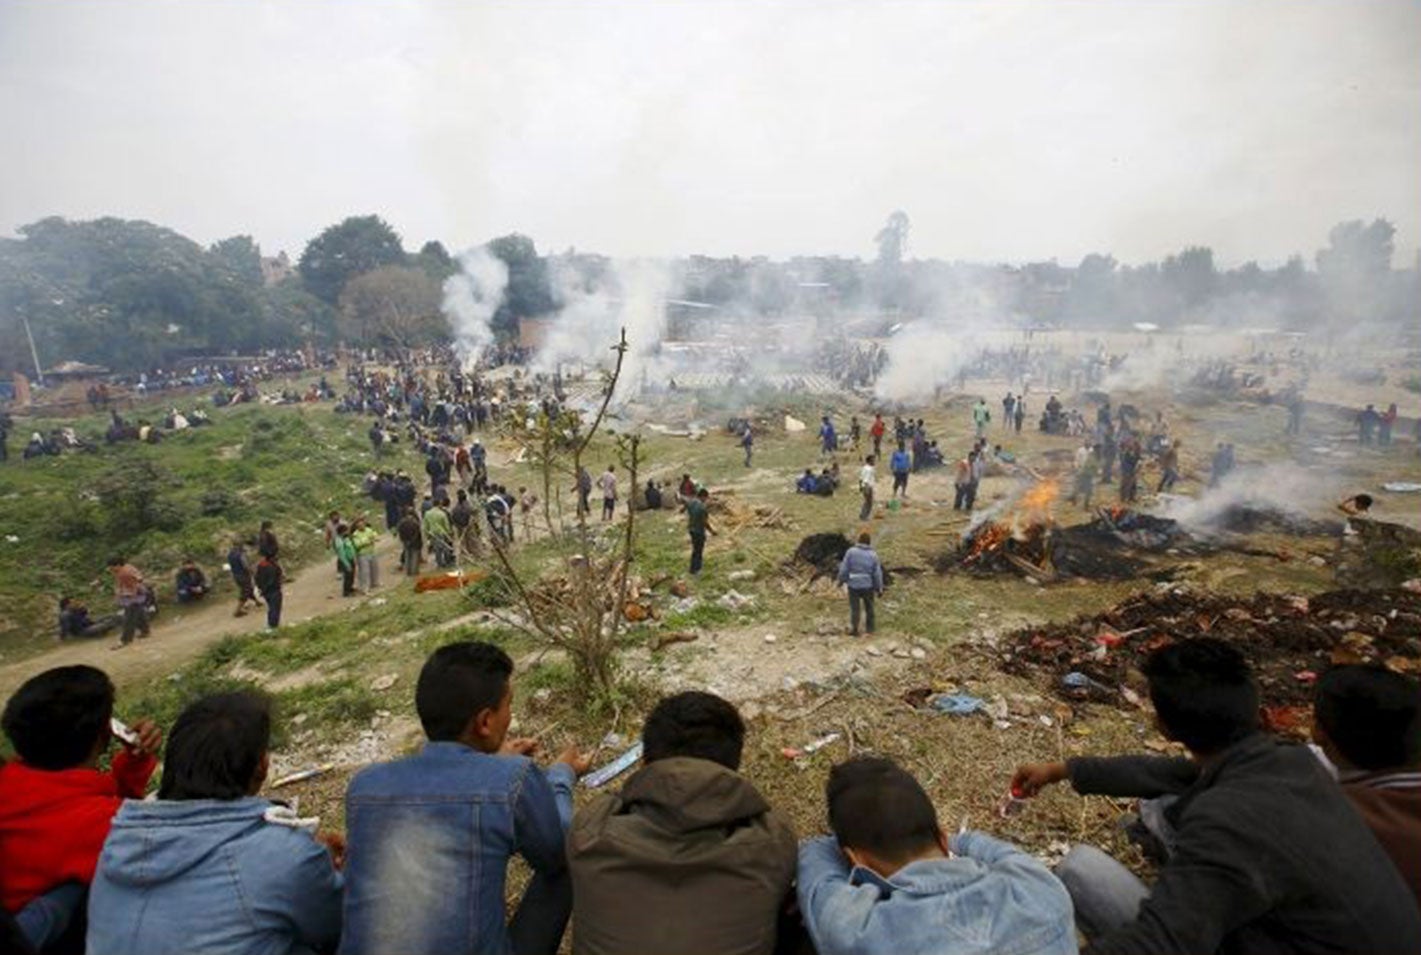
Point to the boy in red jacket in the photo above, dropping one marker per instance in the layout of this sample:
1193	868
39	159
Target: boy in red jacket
55	803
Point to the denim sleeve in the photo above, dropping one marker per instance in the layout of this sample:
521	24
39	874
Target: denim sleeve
835	912
315	897
541	813
982	847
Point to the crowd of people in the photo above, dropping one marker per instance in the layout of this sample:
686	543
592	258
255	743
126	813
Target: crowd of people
1260	845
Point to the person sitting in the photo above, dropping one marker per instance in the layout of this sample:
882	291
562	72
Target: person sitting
932	456
35	448
653	496
687	488
890	880
1367	720
807	483
1262	851
688	839
55	803
74	620
210	866
431	834
191	582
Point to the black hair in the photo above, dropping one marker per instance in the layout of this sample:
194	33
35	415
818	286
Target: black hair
1203	692
695	724
458	682
1364	501
877	806
55	719
216	747
1372	716
115	561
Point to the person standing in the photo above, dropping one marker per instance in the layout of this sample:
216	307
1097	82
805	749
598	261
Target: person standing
1129	469
747	441
1008	410
607	484
439	532
1020	413
267	545
367	565
332	522
269	578
466	526
900	464
867	477
962	484
527	501
411	542
1169	468
698	525
828	440
981	415
862	573
876	432
345	560
855	432
583	489
131	592
242	577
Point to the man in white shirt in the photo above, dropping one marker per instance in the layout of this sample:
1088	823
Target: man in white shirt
608	485
867	477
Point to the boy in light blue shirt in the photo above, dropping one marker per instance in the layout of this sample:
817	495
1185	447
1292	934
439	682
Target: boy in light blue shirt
890	881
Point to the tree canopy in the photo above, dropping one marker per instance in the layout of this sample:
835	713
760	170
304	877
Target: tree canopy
352	247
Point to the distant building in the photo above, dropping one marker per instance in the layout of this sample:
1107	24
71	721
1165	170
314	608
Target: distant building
276	269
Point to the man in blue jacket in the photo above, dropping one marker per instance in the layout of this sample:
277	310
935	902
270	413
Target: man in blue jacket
890	881
431	835
862	573
210	866
900	464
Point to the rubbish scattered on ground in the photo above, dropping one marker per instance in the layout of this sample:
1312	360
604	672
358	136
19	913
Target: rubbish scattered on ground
451	580
957	704
789	752
734	600
605	774
738	575
382	683
303	775
1402	487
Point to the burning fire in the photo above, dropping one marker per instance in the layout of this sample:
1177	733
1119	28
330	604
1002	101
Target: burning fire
1031	516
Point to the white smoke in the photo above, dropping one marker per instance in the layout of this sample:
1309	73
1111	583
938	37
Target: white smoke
471	297
921	357
631	295
1279	486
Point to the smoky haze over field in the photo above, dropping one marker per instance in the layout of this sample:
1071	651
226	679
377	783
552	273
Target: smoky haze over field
1011	131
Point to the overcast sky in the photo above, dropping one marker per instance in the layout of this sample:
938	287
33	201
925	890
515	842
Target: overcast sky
1006	130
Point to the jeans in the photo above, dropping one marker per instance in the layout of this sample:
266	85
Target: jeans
347	581
609	507
1106	895
47	919
367	567
857	597
900	482
1166	482
959	499
135	619
866	511
273	608
409	559
698	548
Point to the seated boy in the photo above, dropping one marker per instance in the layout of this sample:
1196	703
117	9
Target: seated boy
1264	854
74	620
890	880
191	582
1367	720
55	804
688	857
210	866
431	834
806	483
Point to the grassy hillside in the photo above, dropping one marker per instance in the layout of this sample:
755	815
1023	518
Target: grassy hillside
62	517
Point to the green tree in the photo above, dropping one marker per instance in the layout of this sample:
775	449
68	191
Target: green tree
892	239
241	256
529	292
353	247
436	261
395	304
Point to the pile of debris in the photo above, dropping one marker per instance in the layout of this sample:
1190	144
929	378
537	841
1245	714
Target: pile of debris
1260	518
1044	552
735	516
1288	639
822	552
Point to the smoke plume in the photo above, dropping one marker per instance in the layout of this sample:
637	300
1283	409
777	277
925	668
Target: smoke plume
471	297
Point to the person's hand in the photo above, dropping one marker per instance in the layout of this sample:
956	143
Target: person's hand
578	761
519	746
1030	779
335	844
150	739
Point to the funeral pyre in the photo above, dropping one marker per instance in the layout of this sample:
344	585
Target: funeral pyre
1027	540
1289	640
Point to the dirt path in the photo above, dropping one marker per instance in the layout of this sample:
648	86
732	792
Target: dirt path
180	635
